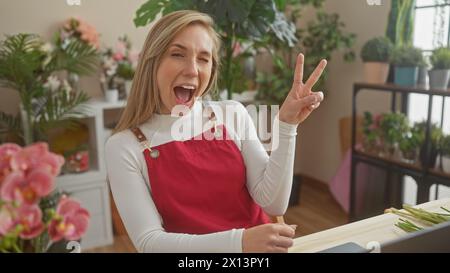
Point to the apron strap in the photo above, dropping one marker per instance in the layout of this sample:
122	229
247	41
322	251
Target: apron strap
138	134
141	138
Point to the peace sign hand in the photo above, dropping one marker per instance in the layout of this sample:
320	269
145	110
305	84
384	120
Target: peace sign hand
301	101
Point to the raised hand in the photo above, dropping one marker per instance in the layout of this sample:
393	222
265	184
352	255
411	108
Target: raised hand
301	101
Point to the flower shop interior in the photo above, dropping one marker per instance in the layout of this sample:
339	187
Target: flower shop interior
376	150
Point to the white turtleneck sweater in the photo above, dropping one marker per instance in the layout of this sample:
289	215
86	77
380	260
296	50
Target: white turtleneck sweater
269	179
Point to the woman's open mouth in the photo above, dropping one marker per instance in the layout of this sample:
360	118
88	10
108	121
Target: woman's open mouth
184	93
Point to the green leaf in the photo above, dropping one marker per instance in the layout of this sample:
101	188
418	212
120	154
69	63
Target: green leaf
259	20
148	11
20	61
284	30
78	57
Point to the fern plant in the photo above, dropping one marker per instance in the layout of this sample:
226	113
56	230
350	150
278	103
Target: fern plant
25	66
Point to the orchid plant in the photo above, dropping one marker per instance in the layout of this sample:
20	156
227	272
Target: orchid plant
29	218
118	63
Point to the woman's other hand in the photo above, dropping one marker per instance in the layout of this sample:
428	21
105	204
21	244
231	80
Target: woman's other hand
268	238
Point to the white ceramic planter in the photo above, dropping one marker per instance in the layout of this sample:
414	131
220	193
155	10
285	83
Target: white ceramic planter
439	79
112	95
376	72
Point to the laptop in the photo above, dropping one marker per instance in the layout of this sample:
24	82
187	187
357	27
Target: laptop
435	239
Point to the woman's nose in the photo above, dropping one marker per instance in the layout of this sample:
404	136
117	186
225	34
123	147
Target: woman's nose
191	69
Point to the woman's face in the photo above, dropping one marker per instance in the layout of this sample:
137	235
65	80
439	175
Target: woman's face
185	68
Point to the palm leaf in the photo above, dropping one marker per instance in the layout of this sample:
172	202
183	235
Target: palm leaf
20	60
61	109
78	57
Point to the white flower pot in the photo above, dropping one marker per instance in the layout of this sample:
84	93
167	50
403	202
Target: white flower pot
112	95
446	163
439	79
376	72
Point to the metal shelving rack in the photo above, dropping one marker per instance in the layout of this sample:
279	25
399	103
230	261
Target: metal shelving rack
424	175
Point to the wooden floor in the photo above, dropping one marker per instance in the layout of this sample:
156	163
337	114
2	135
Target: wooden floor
316	211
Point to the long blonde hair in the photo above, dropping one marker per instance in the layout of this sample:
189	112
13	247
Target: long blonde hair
144	99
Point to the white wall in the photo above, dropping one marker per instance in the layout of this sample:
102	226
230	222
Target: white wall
318	152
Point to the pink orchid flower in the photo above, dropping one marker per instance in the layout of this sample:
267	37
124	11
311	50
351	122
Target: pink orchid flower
27	188
71	221
6	219
28	217
6	152
37	156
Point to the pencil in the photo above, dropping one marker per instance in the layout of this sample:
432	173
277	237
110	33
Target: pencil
280	220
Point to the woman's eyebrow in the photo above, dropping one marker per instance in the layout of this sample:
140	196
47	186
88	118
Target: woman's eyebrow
203	52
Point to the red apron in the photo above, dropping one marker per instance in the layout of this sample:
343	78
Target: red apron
199	186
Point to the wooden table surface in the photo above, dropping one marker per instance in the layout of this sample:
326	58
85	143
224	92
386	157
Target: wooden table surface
379	228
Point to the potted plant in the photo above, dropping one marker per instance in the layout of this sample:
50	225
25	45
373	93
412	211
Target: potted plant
406	60
109	79
126	58
371	133
393	127
435	138
440	72
410	146
376	54
445	151
31	67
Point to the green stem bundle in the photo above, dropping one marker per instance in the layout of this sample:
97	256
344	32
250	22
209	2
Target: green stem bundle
421	216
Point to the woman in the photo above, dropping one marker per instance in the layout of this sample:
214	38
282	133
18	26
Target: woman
191	193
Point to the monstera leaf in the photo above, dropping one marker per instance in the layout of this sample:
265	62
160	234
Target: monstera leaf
248	19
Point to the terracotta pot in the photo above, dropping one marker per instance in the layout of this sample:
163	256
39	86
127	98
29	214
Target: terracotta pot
376	72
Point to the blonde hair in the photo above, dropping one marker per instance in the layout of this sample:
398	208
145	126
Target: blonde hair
144	99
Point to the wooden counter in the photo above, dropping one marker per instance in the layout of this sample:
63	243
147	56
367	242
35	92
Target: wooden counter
379	228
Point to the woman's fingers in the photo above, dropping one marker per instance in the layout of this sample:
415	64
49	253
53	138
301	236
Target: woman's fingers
285	242
311	100
286	230
298	76
315	76
277	249
314	106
